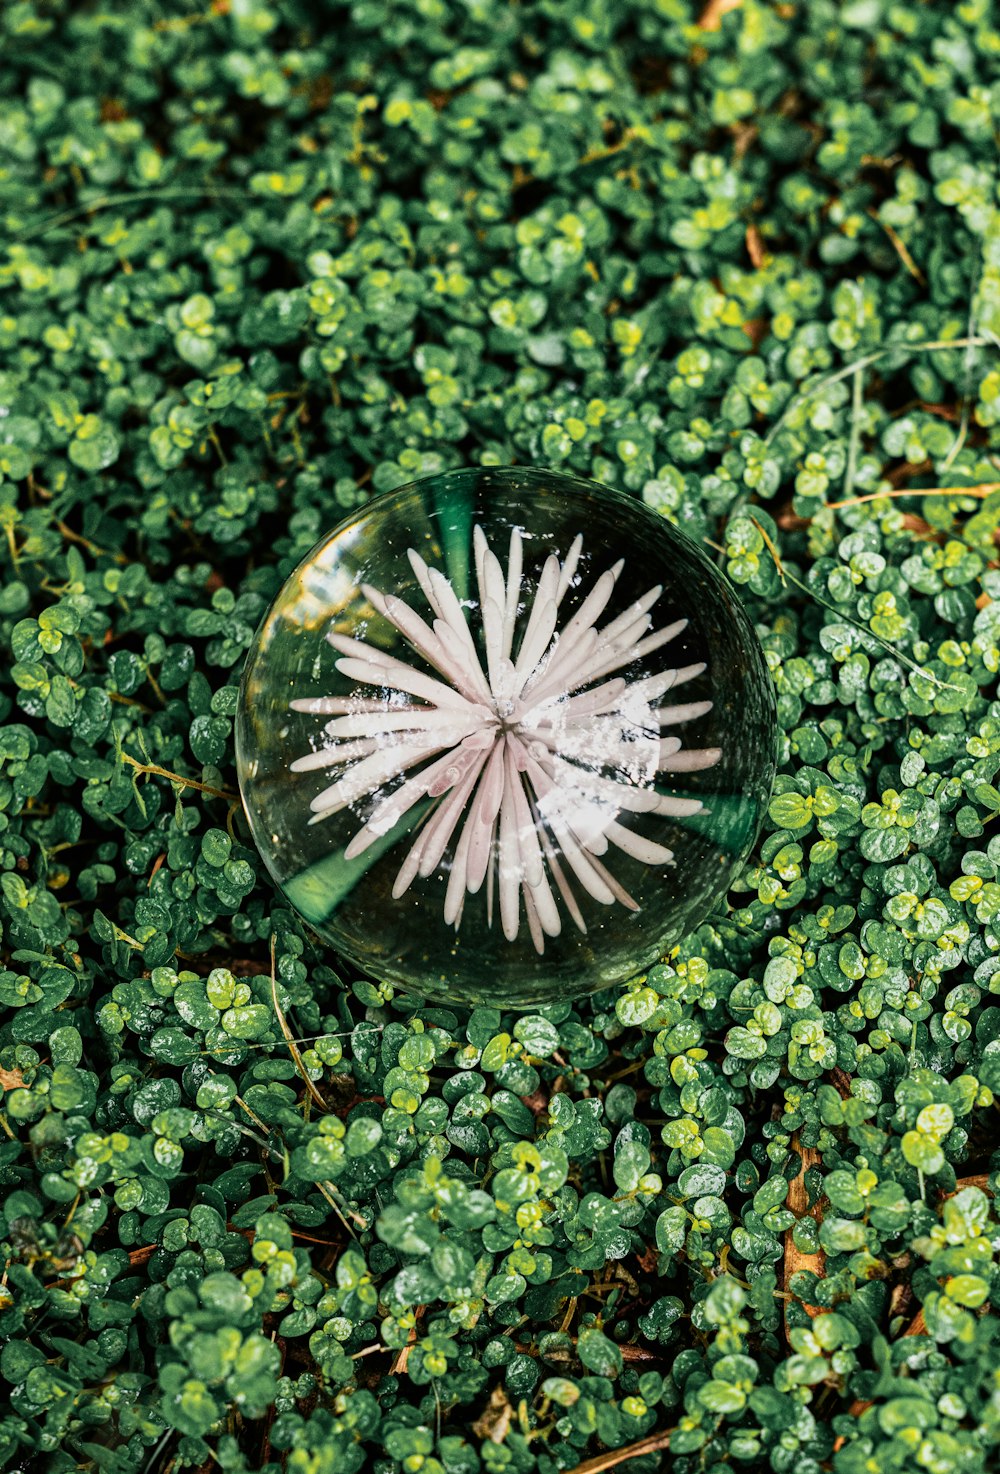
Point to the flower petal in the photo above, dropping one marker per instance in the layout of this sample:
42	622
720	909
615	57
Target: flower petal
692	760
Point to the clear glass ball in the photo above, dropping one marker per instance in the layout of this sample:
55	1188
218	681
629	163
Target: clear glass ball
504	737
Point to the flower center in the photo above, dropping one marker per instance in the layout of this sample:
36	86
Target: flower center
509	713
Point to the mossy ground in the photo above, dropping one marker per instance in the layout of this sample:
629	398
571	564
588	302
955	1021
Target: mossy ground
260	260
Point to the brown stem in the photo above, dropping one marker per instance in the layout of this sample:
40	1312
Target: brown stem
711	19
984	489
798	1201
154	770
615	1456
403	1354
293	1048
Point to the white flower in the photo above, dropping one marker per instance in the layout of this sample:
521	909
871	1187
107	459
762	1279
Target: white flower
524	768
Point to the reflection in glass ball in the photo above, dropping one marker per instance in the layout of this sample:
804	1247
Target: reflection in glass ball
504	736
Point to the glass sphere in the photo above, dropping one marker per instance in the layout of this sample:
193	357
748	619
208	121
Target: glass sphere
504	737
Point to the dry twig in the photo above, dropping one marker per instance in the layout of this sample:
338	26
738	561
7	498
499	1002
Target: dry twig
651	1444
798	1201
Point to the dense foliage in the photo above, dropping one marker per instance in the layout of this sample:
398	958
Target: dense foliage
261	258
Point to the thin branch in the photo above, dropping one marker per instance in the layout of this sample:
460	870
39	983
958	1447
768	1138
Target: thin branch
289	1038
963	428
238	1100
155	771
769	544
85	542
837	377
104	202
615	1456
900	247
983	489
328	1190
893	650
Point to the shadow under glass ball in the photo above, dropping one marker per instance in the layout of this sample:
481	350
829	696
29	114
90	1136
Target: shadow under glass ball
505	736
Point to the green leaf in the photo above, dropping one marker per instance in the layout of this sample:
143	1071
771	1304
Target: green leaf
598	1354
883	845
921	1151
790	811
671	1230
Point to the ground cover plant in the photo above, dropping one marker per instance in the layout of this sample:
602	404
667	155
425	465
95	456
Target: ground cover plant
260	260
